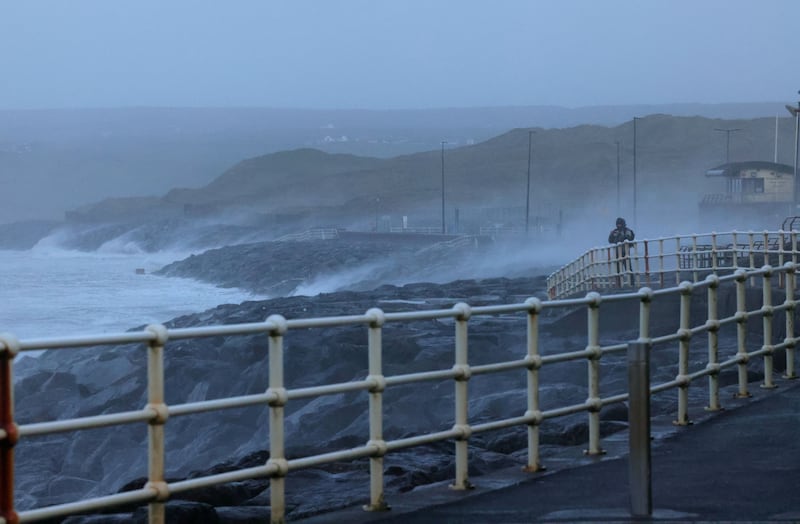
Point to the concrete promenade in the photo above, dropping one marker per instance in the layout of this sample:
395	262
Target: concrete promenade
741	464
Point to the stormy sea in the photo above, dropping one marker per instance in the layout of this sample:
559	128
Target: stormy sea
81	292
49	291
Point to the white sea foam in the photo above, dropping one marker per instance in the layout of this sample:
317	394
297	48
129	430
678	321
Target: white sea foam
51	292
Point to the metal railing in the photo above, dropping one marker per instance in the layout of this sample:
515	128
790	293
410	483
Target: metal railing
317	233
532	361
664	262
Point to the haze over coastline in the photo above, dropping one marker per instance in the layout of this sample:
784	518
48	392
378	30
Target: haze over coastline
200	164
137	99
357	54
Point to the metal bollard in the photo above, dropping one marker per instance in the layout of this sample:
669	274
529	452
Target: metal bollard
639	476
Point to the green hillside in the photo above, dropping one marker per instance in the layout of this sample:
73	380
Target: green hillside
573	176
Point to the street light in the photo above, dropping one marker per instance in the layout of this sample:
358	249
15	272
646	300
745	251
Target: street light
727	141
619	210
634	170
443	226
528	191
795	112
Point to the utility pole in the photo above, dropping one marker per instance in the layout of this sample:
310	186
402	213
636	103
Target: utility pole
635	223
444	230
619	210
795	111
727	141
528	191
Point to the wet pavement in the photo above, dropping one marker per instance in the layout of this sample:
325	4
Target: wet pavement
741	464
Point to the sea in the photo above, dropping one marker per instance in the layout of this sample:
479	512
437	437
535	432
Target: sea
51	292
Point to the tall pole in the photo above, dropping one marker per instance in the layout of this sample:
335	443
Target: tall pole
776	139
796	148
727	142
619	210
795	112
528	190
443	224
635	224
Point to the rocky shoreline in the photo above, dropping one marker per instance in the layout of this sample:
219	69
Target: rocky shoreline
90	381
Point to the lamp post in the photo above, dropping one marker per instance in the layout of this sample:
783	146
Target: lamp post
377	205
727	141
528	190
619	210
795	112
443	224
635	224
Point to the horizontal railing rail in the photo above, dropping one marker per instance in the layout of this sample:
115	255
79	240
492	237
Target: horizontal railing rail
531	361
318	233
665	262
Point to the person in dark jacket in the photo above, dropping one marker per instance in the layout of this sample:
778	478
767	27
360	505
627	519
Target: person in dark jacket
621	233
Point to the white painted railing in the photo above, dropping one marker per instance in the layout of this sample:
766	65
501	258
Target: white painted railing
664	262
531	362
317	233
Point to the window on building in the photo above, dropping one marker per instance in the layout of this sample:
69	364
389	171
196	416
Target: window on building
752	185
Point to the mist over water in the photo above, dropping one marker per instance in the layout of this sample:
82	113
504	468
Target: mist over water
49	292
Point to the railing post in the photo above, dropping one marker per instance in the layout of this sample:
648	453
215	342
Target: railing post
639	468
741	332
766	248
593	402
155	430
646	295
685	335
766	313
461	398
9	434
627	263
534	363
277	451
615	267
712	322
791	306
376	488
714	255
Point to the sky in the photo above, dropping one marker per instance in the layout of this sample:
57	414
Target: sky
396	54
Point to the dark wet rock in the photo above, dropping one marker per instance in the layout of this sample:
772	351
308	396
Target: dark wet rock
91	381
351	262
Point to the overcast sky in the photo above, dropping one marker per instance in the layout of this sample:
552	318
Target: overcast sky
396	53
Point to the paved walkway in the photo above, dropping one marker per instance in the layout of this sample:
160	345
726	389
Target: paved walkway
741	464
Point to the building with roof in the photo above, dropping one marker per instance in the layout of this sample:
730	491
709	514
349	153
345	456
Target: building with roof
753	194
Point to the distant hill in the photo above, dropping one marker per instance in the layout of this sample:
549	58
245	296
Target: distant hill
573	175
52	161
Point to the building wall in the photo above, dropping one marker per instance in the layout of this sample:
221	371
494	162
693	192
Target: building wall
763	185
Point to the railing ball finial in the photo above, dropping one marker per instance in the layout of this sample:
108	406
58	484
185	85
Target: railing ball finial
646	294
279	325
9	344
161	333
377	317
534	305
464	311
594	298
